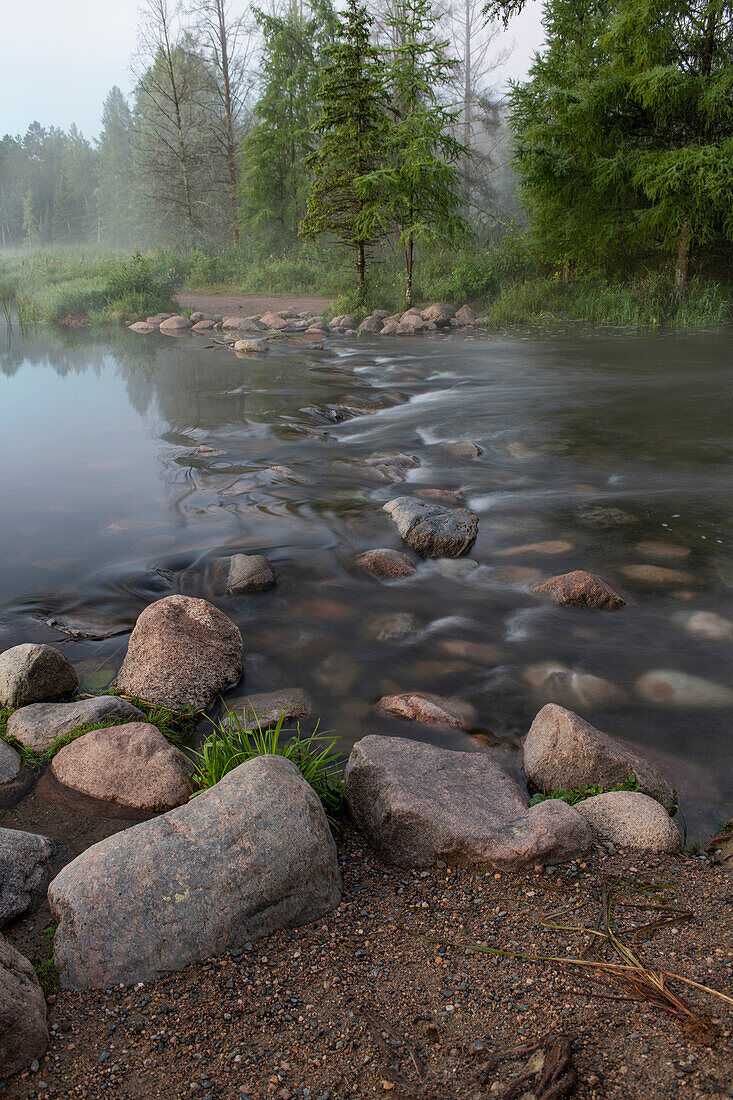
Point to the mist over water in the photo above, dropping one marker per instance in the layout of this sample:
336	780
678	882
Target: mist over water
130	464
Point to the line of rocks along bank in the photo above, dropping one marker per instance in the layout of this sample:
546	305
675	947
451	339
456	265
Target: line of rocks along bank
257	330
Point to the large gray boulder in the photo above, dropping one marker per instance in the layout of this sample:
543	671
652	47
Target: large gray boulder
432	530
132	765
251	855
183	652
26	868
417	804
562	750
31	673
23	1027
38	725
10	763
631	820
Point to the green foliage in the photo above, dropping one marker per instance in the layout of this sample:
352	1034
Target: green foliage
579	794
274	181
625	134
649	300
352	129
235	740
136	288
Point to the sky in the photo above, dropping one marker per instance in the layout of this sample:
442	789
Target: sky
59	59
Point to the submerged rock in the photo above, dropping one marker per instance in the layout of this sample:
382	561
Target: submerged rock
385	564
432	530
249	856
548	548
132	765
659	576
38	725
631	820
581	589
706	624
32	673
417	804
670	688
563	751
555	683
267	707
462	448
23	1028
26	868
480	653
430	709
392	628
183	652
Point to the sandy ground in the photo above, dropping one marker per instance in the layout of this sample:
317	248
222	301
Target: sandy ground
248	305
360	1006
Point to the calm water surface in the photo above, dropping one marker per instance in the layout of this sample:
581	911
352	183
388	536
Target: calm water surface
130	464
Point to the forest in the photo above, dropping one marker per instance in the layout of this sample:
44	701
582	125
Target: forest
308	148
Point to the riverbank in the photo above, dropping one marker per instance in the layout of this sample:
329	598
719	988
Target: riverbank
358	1005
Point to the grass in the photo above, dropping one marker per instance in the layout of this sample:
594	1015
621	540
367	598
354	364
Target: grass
175	725
45	967
234	741
579	794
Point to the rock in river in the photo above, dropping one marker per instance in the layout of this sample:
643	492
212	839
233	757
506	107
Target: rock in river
417	804
23	1028
244	573
242	859
562	750
175	325
556	683
132	765
581	589
385	564
432	530
38	725
268	707
34	674
26	868
432	710
183	652
10	763
631	820
670	688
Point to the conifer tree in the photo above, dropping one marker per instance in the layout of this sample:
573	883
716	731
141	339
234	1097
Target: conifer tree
417	188
352	130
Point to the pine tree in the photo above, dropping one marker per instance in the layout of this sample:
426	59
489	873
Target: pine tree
352	130
274	181
417	188
625	133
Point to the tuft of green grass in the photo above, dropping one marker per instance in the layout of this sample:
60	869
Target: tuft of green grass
45	967
234	741
579	794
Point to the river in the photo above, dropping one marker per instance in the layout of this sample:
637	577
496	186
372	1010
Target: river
131	463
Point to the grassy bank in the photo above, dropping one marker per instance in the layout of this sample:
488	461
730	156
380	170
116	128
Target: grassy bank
504	282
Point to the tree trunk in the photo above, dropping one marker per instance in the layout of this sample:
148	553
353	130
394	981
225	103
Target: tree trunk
683	255
361	267
566	273
175	98
228	112
409	257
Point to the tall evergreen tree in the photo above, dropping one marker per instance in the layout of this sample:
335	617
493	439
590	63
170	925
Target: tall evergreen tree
352	130
117	184
274	185
417	188
625	133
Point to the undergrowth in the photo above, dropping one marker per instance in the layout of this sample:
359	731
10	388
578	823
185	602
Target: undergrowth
45	966
579	794
234	740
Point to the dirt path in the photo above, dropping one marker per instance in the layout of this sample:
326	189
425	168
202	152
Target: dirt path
249	305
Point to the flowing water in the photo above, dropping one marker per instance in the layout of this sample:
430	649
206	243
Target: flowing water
131	463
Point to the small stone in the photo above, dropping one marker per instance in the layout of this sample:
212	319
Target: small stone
670	688
386	564
249	573
249	346
132	765
630	820
659	576
581	589
549	547
706	624
433	710
34	674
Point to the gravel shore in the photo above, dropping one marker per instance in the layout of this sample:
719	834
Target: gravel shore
360	1006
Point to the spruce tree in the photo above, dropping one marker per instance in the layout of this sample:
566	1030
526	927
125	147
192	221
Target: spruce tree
417	187
352	130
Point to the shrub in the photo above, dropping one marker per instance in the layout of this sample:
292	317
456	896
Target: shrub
235	741
135	287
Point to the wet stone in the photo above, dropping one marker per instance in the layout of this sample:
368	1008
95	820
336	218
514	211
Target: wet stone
429	709
581	589
37	726
385	564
